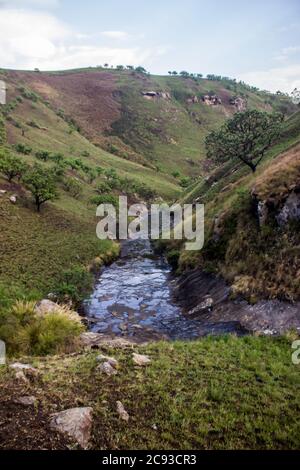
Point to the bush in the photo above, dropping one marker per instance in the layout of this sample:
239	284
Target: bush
22	148
26	332
75	284
43	155
105	199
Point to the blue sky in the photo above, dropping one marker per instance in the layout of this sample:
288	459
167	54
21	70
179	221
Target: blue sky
257	41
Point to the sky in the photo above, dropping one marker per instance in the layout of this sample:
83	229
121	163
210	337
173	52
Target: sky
257	41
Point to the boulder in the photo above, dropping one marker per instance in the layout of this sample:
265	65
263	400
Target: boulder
13	199
111	360
45	306
290	209
26	369
140	359
74	422
107	368
2	192
122	412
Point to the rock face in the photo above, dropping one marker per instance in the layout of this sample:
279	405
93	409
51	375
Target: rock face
140	359
290	209
211	100
122	412
75	422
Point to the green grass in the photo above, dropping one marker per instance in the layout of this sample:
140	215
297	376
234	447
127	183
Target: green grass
215	393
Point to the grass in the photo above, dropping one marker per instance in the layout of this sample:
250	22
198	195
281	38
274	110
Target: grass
36	249
215	393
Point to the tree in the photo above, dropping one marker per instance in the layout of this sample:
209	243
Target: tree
120	67
184	74
106	65
174	72
140	69
247	137
11	167
41	183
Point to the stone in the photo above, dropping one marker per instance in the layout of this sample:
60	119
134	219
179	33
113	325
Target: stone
111	360
140	359
107	368
2	192
13	199
45	306
74	422
27	369
26	400
99	340
205	306
290	209
122	412
21	376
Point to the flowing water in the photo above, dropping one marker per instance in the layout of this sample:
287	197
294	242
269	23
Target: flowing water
133	297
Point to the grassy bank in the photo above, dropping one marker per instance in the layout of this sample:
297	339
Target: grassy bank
215	393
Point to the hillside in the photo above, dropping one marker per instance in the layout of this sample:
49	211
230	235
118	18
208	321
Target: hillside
157	121
252	222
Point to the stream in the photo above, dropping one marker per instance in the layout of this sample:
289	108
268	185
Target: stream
133	297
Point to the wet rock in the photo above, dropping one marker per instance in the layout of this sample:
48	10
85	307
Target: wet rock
107	368
75	422
13	199
122	412
26	401
140	359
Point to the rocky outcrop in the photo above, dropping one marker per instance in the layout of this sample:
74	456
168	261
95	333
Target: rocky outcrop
75	422
239	103
290	209
211	100
192	100
150	95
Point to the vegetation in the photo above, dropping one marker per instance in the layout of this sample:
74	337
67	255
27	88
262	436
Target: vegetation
41	184
27	332
12	167
246	137
215	393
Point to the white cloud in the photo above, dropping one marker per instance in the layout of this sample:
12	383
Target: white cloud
115	34
281	78
30	39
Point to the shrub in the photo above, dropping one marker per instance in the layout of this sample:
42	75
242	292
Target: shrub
43	155
22	148
105	199
75	284
33	124
26	332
